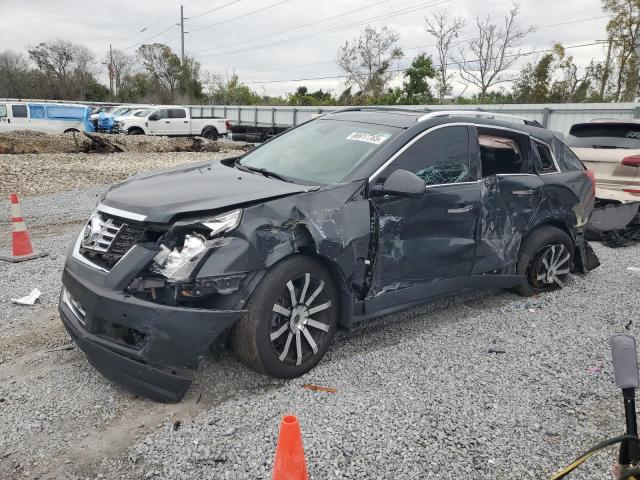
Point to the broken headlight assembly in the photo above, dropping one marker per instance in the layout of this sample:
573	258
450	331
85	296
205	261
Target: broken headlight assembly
178	263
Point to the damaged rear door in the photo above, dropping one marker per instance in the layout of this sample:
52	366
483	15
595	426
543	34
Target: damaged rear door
426	246
511	195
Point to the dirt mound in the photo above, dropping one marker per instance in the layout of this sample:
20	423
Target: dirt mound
22	142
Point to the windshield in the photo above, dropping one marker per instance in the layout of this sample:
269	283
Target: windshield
604	135
322	151
143	113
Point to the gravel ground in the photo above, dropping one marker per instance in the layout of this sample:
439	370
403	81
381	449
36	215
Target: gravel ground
31	174
418	396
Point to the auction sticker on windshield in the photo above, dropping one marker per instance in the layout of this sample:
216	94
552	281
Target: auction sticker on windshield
367	137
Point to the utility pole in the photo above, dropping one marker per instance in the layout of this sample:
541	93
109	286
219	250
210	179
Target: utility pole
605	74
182	32
111	70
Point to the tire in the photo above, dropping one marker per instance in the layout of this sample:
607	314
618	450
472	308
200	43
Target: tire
210	133
544	262
72	130
135	131
261	337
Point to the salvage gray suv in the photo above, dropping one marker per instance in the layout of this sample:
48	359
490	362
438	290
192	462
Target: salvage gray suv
355	214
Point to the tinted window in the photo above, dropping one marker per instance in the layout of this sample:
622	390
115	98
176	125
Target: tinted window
19	111
499	155
440	156
321	151
545	158
604	135
177	113
3	110
162	114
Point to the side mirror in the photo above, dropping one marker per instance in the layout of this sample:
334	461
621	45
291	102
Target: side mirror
402	183
625	361
153	117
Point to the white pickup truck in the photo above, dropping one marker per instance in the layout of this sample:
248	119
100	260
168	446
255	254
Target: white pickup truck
175	121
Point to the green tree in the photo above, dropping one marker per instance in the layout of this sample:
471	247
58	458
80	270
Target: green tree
416	88
624	33
367	60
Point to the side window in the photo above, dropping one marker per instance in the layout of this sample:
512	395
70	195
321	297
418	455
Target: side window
36	111
571	160
439	157
163	113
545	159
3	111
177	113
19	111
500	155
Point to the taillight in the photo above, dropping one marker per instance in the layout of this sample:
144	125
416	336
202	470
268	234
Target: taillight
631	161
227	124
632	191
592	177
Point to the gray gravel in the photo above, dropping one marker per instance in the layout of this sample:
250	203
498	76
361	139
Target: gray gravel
419	396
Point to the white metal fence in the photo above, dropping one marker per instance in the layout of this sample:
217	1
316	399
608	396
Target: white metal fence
555	116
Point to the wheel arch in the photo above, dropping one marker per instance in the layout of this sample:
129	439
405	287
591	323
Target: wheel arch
209	127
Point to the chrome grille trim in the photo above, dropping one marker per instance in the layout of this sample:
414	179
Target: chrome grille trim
121	213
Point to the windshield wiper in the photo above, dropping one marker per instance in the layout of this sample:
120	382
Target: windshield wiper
263	171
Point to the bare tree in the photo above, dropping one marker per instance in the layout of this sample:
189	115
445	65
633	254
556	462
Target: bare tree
14	70
445	30
67	67
123	67
367	59
494	51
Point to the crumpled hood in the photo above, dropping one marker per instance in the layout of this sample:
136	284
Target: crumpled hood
161	195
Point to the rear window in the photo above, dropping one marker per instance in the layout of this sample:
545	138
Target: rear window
545	158
177	113
499	155
604	135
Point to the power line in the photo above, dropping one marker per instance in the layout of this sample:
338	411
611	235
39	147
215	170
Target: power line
396	13
398	70
193	30
332	17
206	12
152	37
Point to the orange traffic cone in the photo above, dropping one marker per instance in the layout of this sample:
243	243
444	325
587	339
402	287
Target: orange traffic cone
21	243
289	463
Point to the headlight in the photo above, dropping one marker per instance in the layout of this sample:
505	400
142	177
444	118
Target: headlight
178	264
222	223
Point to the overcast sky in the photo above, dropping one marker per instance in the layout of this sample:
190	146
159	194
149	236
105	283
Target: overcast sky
234	44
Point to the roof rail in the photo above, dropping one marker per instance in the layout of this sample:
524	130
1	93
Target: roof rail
479	114
384	108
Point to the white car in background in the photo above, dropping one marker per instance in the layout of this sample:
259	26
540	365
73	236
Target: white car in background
44	117
611	149
174	120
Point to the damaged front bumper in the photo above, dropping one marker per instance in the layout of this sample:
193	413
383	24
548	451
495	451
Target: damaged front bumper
148	348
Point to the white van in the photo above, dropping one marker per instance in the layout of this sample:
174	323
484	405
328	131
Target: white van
44	117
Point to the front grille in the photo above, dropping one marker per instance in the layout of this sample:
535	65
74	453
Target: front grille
108	238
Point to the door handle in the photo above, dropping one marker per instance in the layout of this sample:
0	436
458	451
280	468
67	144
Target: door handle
523	192
167	121
186	121
466	208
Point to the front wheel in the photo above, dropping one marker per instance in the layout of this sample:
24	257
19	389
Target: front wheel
291	319
545	260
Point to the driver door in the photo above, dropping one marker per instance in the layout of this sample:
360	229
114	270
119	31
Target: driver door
426	246
161	124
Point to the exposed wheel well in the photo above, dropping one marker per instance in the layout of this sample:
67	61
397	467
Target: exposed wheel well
72	130
135	129
210	127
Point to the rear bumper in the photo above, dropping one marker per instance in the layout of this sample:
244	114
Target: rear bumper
148	348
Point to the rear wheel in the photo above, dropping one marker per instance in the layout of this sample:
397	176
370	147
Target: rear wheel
291	319
210	134
545	260
135	131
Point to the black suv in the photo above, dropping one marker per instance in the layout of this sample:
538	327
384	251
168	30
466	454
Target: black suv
355	214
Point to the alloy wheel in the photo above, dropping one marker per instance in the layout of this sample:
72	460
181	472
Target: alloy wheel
300	319
553	262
